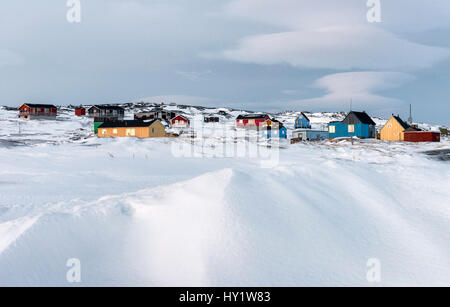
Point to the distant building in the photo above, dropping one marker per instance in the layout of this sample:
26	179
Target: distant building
38	111
394	129
303	134
302	121
211	119
272	128
355	124
80	111
180	121
156	113
132	128
251	120
106	112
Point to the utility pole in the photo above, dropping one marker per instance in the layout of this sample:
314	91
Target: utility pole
410	120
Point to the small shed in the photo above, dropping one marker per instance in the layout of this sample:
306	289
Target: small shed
80	111
422	136
180	121
302	121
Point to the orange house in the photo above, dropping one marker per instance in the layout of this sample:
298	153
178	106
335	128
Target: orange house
132	128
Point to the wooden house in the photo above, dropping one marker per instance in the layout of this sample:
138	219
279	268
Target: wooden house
106	112
38	111
302	121
304	134
394	129
272	128
355	124
156	113
132	128
180	121
251	120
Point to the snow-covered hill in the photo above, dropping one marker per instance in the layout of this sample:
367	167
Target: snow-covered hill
135	213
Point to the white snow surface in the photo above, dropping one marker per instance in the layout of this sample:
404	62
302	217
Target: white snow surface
135	214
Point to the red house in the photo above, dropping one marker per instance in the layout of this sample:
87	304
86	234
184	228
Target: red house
251	120
80	111
180	121
41	111
422	136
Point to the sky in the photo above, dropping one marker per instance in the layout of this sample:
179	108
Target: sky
261	55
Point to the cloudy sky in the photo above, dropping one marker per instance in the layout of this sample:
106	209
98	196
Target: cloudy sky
312	55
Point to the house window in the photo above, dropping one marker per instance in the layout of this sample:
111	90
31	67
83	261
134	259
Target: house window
114	131
46	110
351	128
131	132
104	131
153	130
251	122
332	129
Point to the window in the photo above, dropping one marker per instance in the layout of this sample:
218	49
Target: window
153	130
351	128
104	131
131	132
251	122
46	110
114	131
332	129
241	121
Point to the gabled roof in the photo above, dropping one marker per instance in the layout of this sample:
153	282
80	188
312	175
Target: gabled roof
358	117
33	105
401	122
304	116
252	116
127	124
107	107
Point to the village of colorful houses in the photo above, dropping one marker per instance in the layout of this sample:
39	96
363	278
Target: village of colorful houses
108	122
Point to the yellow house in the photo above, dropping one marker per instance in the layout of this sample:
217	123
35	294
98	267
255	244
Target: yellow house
394	130
132	128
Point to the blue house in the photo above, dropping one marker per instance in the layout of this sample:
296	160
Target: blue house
357	124
272	128
302	122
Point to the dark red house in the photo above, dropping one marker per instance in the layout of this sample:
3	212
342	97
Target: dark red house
180	121
80	111
33	111
251	120
422	136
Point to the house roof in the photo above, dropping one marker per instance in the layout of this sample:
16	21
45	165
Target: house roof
127	124
401	122
304	115
252	116
181	117
33	105
358	117
107	107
